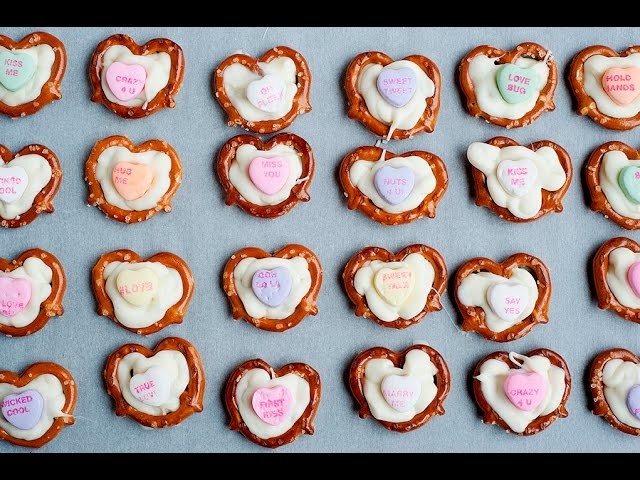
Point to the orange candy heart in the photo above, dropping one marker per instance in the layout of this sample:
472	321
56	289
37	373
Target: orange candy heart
132	180
622	84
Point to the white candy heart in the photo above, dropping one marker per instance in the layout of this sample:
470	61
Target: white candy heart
517	177
395	285
13	183
151	387
266	93
401	391
138	287
508	300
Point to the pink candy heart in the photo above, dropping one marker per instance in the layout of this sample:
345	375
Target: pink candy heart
397	86
132	180
126	81
525	390
622	84
269	174
633	277
273	404
15	294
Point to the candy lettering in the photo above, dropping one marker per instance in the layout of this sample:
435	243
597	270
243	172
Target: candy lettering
23	410
272	405
137	287
126	81
508	301
633	400
13	183
394	185
15	294
269	174
16	69
397	86
132	180
151	387
400	391
525	390
517	177
267	93
273	286
622	84
516	84
395	285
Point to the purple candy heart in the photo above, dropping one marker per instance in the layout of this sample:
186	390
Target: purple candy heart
633	401
394	184
397	85
271	286
23	410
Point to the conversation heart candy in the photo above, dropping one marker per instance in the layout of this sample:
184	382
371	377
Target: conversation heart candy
394	184
516	84
397	86
126	81
23	410
16	69
272	405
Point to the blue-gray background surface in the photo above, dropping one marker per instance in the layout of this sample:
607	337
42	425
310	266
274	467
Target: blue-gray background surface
205	232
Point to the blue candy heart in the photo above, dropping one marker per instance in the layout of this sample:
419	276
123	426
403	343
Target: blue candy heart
16	69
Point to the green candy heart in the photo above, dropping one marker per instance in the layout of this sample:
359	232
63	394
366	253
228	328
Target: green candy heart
16	69
629	181
516	84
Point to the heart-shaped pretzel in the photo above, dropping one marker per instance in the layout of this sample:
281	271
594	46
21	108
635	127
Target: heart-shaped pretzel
51	89
190	400
490	417
174	314
300	104
599	202
43	202
52	305
164	98
585	104
551	201
307	305
356	199
304	424
369	254
442	381
358	108
524	50
606	298
299	191
69	389
474	317
96	195
601	406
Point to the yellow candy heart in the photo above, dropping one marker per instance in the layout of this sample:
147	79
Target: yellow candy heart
395	285
137	287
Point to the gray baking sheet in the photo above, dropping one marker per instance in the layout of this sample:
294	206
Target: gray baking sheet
205	232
